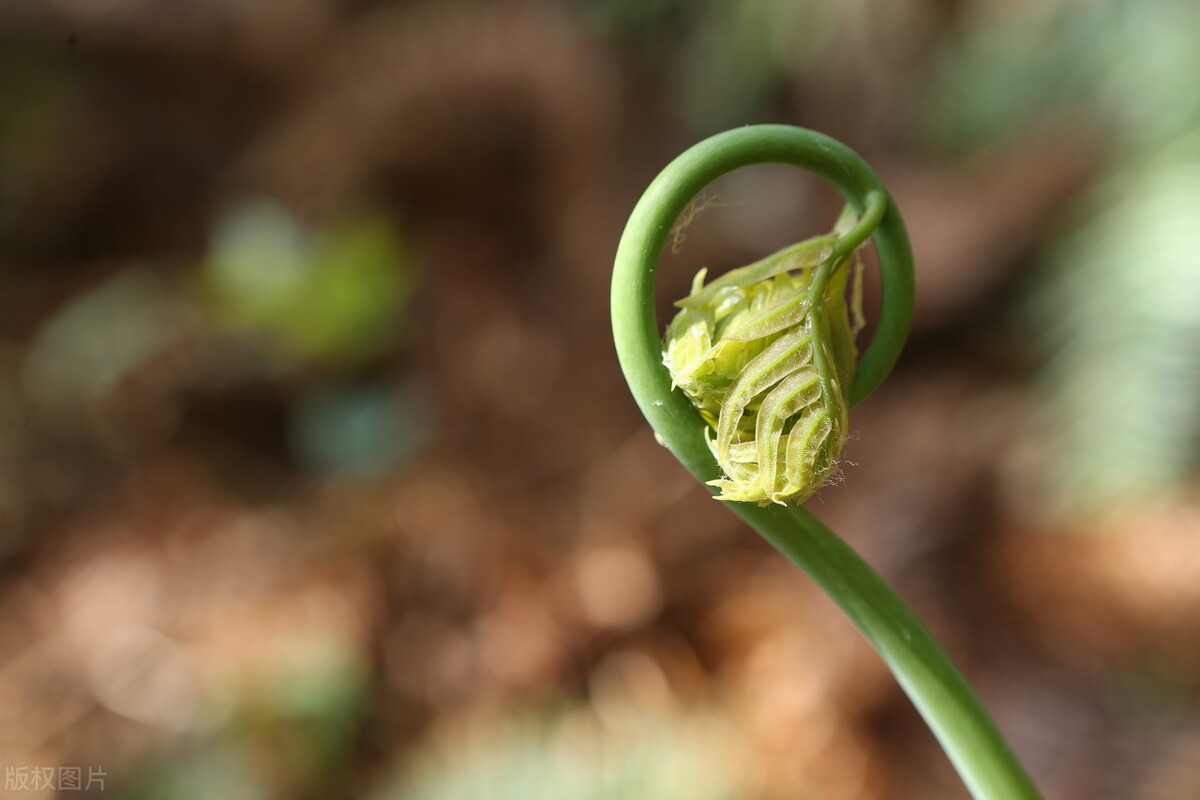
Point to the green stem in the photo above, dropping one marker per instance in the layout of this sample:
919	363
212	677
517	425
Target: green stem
873	207
925	672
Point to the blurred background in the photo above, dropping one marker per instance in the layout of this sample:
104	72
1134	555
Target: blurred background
318	477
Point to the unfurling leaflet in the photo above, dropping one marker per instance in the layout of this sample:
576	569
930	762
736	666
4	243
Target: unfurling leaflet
766	354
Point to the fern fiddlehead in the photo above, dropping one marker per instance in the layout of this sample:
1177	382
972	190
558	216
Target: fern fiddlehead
814	379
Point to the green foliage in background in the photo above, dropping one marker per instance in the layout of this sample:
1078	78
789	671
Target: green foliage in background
334	295
1129	64
574	757
97	337
289	731
727	61
1120	314
1117	305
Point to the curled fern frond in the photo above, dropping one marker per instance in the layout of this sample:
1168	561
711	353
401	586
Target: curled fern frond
765	354
773	301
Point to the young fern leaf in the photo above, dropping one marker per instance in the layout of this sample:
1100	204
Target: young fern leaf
767	361
755	391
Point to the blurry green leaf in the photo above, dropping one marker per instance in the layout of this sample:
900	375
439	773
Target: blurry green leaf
216	770
98	336
336	295
1132	64
309	709
317	677
573	758
1120	313
259	260
290	733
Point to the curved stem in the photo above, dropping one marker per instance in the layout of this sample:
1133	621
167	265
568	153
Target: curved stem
873	207
927	675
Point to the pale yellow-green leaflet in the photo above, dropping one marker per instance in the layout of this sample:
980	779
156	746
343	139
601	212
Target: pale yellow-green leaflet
744	349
